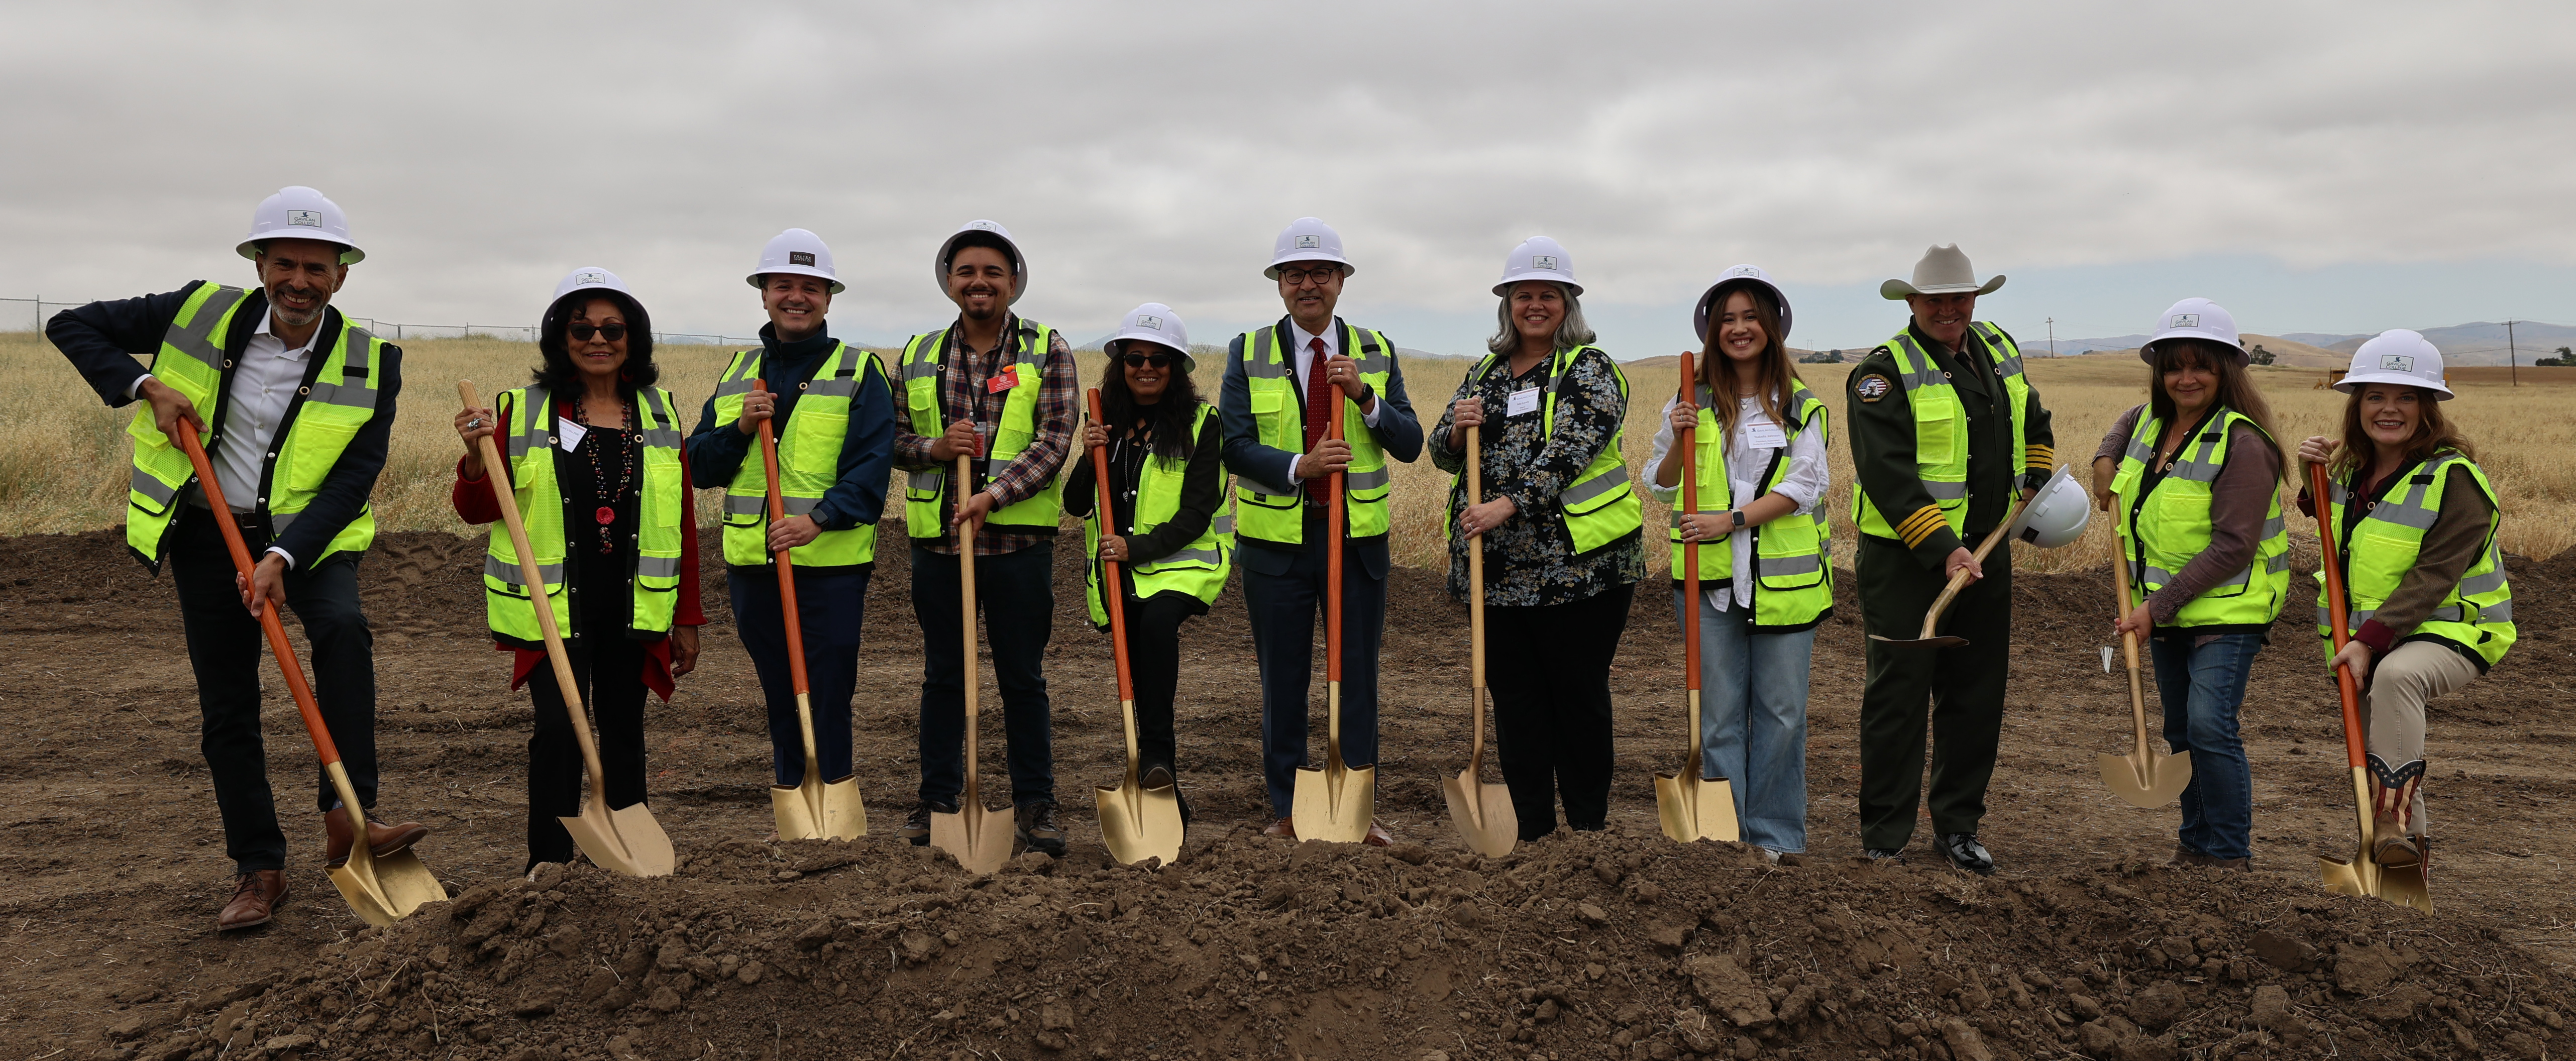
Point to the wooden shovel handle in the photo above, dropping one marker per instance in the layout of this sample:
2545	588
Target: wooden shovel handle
2337	614
1976	562
1113	593
780	559
1685	447
1333	521
305	705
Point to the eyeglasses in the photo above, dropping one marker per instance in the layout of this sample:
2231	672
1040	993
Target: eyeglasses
581	331
1297	277
1142	360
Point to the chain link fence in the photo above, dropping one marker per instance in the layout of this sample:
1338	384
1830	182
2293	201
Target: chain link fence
30	314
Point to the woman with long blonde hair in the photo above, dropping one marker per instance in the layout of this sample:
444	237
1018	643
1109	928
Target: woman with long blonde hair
1765	577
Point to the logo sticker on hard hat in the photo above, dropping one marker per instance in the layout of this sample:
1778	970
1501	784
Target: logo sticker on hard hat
2397	362
1310	242
307	218
984	225
2184	320
1155	323
1543	261
1742	270
800	257
589	278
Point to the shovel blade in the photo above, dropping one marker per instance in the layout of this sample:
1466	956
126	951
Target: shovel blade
819	810
1140	823
2150	783
384	890
1692	809
978	839
2405	886
625	841
1335	805
1483	814
1942	641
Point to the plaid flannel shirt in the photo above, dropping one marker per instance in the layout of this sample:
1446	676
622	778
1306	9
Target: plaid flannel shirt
963	395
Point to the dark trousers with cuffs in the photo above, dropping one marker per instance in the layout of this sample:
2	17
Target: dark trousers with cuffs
1964	687
1016	593
1550	681
608	676
830	602
1284	593
229	652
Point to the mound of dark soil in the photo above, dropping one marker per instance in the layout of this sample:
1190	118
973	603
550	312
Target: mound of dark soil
1579	946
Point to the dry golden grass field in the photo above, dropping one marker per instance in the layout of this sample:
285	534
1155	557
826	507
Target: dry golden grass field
63	466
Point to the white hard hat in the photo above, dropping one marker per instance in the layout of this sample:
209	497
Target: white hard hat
299	212
2195	318
2397	356
796	252
1307	239
2056	515
1739	275
1010	249
1155	323
590	276
1538	258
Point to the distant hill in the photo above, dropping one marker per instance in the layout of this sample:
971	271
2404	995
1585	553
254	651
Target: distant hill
2479	343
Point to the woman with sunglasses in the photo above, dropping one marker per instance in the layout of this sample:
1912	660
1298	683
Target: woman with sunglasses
592	450
1163	529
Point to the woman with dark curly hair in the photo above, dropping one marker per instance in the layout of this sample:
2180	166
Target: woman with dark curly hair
592	450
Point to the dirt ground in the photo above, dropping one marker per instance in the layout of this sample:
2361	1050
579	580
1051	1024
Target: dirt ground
1616	944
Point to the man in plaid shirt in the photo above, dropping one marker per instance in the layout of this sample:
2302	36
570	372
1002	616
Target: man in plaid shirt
999	389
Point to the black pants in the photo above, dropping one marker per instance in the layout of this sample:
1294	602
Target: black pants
608	672
1548	668
830	602
1016	592
1283	594
227	650
1154	668
1964	685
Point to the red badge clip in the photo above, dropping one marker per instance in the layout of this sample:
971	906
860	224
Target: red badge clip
1003	380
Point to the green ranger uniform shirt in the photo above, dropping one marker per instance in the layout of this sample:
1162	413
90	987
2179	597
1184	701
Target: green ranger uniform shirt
1985	402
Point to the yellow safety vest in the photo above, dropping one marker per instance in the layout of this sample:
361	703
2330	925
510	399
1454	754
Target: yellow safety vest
924	357
2168	524
319	423
1280	419
2380	548
809	459
1198	569
1941	428
1793	588
1601	504
532	447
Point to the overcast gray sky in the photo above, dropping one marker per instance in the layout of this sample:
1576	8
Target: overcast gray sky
2316	166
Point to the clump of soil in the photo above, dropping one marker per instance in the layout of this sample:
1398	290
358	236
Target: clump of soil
1599	945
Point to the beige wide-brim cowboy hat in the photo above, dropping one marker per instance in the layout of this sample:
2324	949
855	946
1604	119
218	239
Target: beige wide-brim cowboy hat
1943	271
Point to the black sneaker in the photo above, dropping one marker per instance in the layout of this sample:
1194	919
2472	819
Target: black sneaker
916	826
1158	776
1884	854
1963	851
1037	828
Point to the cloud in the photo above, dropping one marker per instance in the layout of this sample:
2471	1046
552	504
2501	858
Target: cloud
1149	152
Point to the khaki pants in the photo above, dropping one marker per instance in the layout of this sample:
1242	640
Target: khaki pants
2392	709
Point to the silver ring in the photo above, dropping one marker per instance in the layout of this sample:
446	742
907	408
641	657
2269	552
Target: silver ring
474	423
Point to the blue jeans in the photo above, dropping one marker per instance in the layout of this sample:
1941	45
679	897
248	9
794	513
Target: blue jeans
2202	688
1753	721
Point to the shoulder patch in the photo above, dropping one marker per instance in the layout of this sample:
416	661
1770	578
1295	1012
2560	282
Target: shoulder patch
1872	387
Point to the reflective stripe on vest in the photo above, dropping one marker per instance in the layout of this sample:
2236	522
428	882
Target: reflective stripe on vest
2383	545
924	361
319	423
1941	425
533	449
1793	584
1600	505
809	459
2163	528
1198	569
1279	418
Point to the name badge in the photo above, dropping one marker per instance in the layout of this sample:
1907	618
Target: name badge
1523	403
1003	380
1763	434
569	435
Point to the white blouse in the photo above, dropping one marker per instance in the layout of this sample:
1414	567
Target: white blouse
1745	462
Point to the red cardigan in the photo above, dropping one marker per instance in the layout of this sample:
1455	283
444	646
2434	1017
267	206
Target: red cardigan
473	501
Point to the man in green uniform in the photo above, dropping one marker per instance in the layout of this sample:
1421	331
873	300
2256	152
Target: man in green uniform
1943	426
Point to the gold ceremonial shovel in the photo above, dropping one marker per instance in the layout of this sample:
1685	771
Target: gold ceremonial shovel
1690	806
1136	823
1482	812
977	838
1932	619
812	808
2145	777
1336	802
2361	875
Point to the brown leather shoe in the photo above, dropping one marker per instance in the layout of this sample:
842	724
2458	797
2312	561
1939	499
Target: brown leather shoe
255	899
382	839
1284	828
1377	836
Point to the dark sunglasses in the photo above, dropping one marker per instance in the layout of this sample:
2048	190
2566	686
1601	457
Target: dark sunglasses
581	332
1142	360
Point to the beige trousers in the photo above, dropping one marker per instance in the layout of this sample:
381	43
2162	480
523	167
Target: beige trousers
2392	709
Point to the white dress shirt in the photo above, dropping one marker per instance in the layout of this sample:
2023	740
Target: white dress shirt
1805	484
264	385
1303	370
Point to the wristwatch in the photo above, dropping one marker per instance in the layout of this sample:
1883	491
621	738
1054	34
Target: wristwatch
1738	514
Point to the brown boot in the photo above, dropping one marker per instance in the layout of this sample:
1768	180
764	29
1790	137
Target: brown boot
255	899
2389	844
382	839
1284	828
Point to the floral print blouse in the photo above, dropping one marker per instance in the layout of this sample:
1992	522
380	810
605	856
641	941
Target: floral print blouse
1530	559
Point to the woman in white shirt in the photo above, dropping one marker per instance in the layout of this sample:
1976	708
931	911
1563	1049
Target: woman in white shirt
1765	577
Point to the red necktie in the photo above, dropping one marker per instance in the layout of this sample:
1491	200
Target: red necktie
1319	411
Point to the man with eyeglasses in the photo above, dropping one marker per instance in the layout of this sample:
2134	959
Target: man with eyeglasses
999	389
1280	382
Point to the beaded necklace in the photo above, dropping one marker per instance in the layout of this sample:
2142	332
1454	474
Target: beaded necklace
600	483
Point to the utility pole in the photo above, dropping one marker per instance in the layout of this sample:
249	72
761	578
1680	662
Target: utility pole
2052	337
2512	357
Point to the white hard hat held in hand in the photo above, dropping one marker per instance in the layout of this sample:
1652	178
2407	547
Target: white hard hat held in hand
797	252
1155	323
2397	356
980	231
1737	276
2195	318
299	212
1307	239
2056	515
1538	258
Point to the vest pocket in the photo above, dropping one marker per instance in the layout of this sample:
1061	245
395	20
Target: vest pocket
1788	555
1936	435
310	450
